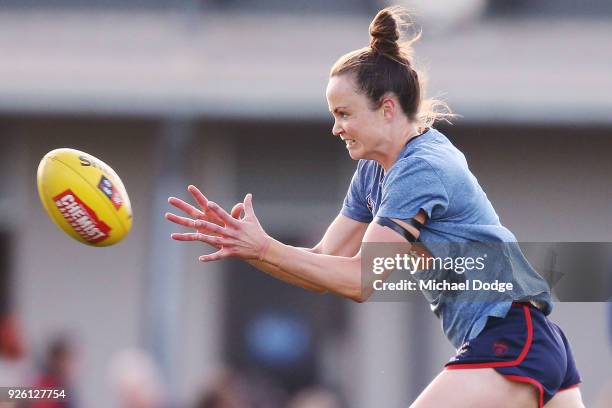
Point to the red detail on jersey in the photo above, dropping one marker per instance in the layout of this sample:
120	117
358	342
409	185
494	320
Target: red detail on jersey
81	218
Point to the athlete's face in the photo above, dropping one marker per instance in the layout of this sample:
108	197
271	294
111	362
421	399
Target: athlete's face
361	128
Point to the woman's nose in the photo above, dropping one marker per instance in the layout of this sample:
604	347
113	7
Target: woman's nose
337	129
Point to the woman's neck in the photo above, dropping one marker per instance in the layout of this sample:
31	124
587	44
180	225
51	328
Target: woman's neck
397	145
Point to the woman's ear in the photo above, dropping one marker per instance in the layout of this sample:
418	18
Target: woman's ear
389	107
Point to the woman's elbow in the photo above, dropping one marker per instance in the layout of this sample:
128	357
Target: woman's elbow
360	295
358	291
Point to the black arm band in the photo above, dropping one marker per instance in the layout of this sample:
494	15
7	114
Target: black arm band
395	226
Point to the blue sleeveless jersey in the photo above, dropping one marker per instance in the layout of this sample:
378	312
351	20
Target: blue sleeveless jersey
432	175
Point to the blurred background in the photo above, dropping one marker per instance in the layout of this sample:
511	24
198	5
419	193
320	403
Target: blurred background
229	95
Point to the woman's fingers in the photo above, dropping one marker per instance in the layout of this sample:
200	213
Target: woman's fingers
203	201
186	207
211	227
248	205
196	236
214	226
215	256
211	240
222	214
198	196
200	225
192	211
237	210
183	221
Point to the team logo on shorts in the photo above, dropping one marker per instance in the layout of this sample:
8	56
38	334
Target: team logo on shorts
106	186
81	218
500	348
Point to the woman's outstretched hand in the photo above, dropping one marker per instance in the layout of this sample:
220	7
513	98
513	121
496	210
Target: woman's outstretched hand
231	235
199	214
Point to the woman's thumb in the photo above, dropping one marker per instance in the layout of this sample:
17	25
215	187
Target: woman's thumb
248	205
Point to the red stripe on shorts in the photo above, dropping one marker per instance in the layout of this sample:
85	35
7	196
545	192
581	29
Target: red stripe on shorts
516	362
531	381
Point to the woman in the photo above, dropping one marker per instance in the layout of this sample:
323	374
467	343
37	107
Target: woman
411	184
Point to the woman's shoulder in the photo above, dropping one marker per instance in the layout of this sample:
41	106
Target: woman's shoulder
438	152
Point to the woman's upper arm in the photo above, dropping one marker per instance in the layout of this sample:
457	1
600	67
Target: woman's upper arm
342	238
379	233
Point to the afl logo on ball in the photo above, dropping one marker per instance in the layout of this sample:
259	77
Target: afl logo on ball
106	186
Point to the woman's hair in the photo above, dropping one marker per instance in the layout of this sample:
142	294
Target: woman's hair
385	66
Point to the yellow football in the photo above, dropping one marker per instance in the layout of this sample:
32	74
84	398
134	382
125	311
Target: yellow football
84	197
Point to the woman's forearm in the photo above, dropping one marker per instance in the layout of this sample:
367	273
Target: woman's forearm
338	274
278	273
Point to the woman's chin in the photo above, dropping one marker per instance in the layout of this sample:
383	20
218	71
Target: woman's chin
356	154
